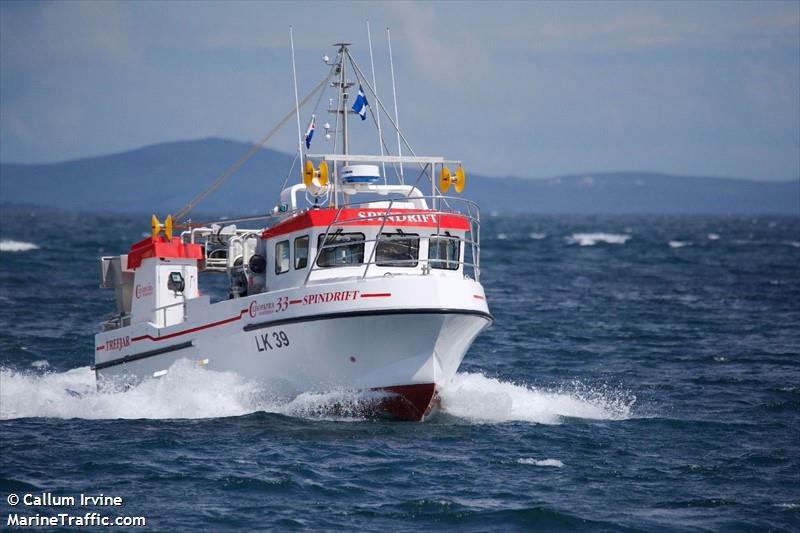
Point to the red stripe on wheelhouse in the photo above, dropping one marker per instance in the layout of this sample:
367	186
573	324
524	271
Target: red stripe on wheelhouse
478	297
192	330
376	295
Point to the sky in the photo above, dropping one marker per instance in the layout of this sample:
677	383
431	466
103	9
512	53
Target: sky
528	89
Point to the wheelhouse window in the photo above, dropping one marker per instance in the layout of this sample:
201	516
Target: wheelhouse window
282	257
397	250
341	249
301	252
444	251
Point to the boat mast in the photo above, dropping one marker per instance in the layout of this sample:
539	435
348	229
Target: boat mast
343	86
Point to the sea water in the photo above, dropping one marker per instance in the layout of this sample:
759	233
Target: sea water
642	373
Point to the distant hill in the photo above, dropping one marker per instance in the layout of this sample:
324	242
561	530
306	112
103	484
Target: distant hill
162	178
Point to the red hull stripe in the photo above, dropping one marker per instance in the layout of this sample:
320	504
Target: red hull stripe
376	295
295	301
192	330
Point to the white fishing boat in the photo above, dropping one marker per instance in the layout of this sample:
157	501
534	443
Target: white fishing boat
357	280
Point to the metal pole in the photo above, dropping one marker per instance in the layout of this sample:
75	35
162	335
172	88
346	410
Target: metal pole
394	94
375	89
297	106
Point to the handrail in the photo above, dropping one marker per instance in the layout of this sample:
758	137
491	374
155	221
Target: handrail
472	217
168	306
462	208
374	248
319	248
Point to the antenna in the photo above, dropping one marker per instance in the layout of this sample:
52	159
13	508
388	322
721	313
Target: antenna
296	104
375	90
394	94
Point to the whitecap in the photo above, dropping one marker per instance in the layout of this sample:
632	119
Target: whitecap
537	236
679	244
590	239
713	236
8	245
481	399
540	462
795	244
502	236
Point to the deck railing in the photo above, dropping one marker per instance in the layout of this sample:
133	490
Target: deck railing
469	211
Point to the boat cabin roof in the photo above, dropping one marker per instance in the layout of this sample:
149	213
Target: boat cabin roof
367	216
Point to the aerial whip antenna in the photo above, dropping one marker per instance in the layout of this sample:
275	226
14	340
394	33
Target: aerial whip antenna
296	104
394	94
375	88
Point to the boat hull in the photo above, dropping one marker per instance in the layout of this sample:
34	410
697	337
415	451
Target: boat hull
406	353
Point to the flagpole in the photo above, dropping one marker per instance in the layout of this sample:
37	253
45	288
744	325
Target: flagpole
394	94
375	89
297	107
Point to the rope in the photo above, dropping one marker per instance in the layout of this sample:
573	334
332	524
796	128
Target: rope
250	153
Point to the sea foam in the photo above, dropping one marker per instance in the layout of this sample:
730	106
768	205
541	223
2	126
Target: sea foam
188	391
679	244
185	391
540	462
590	239
8	245
478	398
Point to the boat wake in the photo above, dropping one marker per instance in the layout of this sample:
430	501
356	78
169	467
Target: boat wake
478	398
187	391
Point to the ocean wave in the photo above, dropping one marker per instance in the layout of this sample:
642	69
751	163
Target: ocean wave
8	245
540	462
482	399
713	236
679	244
537	236
590	239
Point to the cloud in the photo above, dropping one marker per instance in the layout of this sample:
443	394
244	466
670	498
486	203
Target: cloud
439	48
56	34
509	85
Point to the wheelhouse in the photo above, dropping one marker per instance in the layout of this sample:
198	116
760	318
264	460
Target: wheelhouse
373	240
358	241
